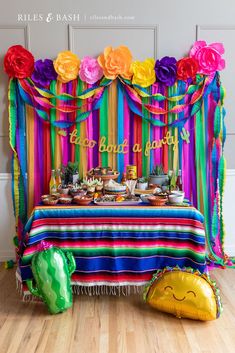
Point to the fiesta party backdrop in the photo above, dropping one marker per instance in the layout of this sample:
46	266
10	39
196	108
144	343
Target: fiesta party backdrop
114	111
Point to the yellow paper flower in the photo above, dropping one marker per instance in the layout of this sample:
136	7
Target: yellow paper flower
143	72
116	62
67	66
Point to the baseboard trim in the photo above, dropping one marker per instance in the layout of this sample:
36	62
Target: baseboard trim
5	176
230	250
7	255
230	172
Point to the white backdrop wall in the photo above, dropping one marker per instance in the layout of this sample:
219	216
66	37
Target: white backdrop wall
150	28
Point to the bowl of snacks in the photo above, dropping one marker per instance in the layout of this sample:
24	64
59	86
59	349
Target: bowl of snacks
64	190
176	197
157	200
103	173
82	200
45	196
144	197
79	192
50	200
65	199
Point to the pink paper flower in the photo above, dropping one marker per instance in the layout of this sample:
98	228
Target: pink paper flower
90	70
209	56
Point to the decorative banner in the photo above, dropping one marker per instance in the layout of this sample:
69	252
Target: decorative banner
123	147
134	115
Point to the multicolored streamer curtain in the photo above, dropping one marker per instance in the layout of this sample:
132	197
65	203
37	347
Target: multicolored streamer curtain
118	113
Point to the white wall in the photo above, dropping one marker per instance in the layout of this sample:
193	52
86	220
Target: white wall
7	222
229	216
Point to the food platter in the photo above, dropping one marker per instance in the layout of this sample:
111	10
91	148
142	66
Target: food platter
120	200
106	177
145	192
103	173
116	203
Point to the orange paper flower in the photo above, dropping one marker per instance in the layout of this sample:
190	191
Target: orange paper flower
116	62
67	66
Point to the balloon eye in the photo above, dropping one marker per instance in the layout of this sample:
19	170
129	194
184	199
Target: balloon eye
190	291
168	287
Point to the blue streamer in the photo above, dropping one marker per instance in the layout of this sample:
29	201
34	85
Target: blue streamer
22	155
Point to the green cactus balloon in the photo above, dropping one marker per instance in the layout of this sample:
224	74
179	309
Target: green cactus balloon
52	269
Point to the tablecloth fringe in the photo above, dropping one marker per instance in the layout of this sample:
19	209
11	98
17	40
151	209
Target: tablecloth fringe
117	290
90	290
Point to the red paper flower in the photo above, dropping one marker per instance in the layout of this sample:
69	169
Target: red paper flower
187	68
18	62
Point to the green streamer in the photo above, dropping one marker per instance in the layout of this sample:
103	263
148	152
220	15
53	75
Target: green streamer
12	112
104	125
170	116
78	125
222	170
217	121
197	150
145	138
22	209
204	169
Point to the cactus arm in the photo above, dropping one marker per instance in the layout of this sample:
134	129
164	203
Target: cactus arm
71	262
34	290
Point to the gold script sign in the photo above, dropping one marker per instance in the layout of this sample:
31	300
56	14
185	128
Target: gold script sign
123	147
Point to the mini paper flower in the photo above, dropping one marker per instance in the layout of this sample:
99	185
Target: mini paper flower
116	62
187	68
209	56
90	70
166	70
143	73
18	62
44	72
67	66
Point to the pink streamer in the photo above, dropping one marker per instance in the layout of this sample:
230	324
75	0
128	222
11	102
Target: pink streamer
156	133
186	164
37	181
64	142
89	133
126	131
185	161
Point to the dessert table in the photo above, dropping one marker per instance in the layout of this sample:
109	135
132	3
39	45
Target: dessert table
116	245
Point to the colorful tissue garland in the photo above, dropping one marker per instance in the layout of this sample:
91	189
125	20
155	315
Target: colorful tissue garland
114	107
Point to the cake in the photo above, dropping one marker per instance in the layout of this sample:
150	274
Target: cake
112	187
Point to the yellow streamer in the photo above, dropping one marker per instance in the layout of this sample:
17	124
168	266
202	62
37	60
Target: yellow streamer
112	106
58	153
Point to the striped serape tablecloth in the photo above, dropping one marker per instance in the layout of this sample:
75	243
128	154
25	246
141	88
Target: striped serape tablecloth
117	246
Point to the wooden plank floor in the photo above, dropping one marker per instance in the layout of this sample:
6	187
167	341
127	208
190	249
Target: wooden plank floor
111	325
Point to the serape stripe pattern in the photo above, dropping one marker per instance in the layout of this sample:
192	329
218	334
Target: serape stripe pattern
117	245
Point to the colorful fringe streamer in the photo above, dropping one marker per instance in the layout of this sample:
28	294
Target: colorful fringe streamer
41	121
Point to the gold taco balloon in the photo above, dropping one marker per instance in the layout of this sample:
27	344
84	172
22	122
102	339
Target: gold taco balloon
184	293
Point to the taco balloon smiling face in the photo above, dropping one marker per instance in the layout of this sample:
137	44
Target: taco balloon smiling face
184	294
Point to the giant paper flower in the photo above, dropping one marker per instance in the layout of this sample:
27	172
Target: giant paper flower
143	72
44	72
116	62
187	68
209	56
18	62
166	70
90	70
67	66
